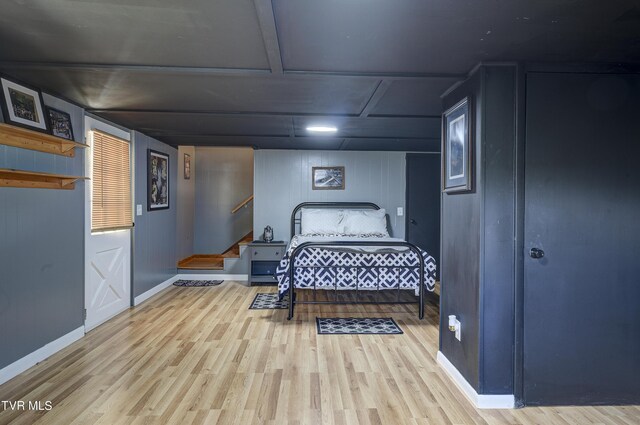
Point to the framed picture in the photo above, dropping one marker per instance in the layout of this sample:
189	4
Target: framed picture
457	158
60	123
187	166
22	106
327	178
157	181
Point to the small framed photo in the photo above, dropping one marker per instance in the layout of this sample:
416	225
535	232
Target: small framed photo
22	106
60	123
157	181
457	148
327	178
187	166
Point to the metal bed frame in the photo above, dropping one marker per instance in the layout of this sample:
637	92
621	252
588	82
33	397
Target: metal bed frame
349	205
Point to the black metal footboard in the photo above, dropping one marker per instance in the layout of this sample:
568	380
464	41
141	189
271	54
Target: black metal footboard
421	266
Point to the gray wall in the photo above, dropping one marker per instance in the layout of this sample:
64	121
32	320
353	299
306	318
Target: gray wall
186	204
41	250
283	180
154	248
224	178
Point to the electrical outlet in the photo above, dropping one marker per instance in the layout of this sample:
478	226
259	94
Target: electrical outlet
400	211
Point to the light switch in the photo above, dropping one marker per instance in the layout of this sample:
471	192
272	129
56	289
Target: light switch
400	212
138	209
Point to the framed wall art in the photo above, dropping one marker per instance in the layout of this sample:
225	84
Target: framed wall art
457	148
157	181
60	123
22	106
327	178
187	166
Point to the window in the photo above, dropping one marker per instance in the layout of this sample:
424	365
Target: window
111	179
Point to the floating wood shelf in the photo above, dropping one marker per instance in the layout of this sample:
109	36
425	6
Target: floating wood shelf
34	180
29	139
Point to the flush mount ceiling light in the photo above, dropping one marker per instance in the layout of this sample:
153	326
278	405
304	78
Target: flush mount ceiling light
322	129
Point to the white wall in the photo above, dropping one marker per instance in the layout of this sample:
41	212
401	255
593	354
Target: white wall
282	180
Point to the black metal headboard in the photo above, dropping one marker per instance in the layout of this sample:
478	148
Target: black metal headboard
341	205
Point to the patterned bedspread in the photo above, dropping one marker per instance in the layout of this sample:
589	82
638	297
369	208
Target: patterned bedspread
367	268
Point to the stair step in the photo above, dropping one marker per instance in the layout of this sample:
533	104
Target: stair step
213	261
202	262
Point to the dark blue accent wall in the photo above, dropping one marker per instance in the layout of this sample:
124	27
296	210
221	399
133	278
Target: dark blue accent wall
154	236
478	246
41	250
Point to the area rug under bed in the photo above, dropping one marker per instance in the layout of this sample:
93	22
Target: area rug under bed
268	301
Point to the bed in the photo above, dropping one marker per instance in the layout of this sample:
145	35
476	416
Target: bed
341	247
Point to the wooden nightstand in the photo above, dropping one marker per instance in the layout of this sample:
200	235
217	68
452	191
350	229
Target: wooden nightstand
263	261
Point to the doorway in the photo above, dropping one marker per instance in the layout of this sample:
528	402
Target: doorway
581	233
107	253
423	203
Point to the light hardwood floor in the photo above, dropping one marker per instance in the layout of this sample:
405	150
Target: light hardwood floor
198	355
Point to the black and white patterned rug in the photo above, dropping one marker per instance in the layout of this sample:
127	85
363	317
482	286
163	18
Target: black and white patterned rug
357	325
195	283
267	301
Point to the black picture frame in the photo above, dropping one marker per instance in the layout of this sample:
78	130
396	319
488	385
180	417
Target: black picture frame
187	166
157	181
328	178
60	123
457	148
22	105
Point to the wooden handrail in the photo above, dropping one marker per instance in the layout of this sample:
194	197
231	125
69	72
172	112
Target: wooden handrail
242	204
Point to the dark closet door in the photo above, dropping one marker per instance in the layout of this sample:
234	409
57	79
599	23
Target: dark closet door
423	203
582	240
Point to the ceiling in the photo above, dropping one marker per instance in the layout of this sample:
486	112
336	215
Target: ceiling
258	72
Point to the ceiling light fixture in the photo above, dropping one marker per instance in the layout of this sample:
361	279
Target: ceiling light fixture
322	129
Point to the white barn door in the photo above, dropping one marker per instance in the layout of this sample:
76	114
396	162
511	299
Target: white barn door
107	254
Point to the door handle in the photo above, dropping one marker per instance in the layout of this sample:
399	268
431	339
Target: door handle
536	253
412	221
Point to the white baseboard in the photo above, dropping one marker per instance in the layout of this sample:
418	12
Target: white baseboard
30	360
212	276
481	401
151	292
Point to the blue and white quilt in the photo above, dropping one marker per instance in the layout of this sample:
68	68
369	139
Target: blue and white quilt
350	267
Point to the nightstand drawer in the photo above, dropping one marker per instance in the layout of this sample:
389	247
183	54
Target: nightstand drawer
267	253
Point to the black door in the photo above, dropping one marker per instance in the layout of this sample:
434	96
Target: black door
423	203
582	240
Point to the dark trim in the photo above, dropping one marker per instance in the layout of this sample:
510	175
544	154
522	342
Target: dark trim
267	22
518	302
230	71
375	98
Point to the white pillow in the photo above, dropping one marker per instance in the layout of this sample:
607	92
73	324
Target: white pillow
320	221
364	222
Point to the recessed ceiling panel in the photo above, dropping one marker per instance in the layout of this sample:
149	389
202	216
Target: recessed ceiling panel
204	33
170	123
127	89
444	36
413	97
408	145
372	127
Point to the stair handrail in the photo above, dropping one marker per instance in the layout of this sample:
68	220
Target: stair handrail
242	204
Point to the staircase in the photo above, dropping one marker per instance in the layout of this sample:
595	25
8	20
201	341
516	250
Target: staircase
222	261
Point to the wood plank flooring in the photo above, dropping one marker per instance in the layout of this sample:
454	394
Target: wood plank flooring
199	356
